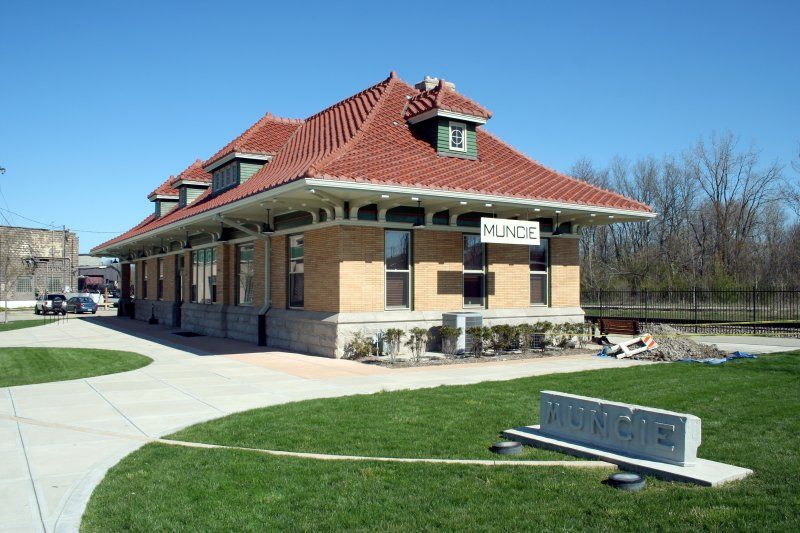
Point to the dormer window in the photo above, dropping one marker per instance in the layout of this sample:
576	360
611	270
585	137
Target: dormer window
458	136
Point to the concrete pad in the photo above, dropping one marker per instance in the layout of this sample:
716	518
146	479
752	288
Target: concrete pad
19	509
703	472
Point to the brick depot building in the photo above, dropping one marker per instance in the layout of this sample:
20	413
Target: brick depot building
361	217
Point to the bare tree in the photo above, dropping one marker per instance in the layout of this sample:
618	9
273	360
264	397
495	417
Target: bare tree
13	264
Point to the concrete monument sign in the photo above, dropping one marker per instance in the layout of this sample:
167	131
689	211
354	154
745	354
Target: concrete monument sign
631	429
639	439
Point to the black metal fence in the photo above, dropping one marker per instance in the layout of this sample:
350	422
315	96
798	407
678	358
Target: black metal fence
734	311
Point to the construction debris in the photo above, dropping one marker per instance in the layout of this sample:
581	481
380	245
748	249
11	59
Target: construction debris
630	347
674	345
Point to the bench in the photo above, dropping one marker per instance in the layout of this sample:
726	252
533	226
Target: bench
619	327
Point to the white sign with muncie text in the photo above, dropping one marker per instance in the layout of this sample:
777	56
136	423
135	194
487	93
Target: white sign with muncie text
633	430
505	231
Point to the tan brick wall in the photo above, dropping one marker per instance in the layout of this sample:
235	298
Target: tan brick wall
187	276
259	275
225	274
565	273
438	270
361	282
508	282
322	250
277	281
169	278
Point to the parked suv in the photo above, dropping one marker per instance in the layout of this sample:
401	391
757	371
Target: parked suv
80	304
50	303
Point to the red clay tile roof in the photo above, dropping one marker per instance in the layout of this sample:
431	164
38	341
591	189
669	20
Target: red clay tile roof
444	98
165	189
264	137
364	139
194	172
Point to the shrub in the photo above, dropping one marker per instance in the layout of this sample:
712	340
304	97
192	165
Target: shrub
417	342
525	332
504	337
359	346
450	336
392	337
480	336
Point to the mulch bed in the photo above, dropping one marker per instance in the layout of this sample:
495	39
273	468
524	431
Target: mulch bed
469	358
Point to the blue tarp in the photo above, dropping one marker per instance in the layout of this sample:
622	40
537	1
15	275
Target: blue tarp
720	360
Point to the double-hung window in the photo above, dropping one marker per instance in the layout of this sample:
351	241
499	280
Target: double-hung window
144	280
160	280
539	260
296	271
244	274
204	276
458	136
474	289
397	264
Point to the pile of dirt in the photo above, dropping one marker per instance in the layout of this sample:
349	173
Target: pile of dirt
674	345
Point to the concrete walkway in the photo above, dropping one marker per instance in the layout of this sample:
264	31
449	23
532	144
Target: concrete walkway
78	429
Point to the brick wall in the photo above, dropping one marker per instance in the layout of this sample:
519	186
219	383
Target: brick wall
508	282
278	266
361	269
187	276
225	274
259	276
169	279
565	274
55	255
152	277
438	270
321	253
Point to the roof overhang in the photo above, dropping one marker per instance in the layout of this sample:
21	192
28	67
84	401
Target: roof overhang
154	197
191	183
307	193
446	114
258	156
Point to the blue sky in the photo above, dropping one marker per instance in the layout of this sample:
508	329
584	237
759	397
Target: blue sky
100	101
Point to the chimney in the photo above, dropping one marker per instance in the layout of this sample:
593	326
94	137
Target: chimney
429	82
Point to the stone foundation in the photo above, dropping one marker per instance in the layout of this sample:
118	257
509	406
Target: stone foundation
325	334
164	311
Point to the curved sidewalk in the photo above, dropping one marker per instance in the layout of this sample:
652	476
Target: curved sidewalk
47	473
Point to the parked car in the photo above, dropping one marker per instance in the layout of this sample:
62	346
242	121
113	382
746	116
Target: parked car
113	297
50	303
80	304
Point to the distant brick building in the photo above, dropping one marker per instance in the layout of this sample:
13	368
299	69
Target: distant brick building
36	260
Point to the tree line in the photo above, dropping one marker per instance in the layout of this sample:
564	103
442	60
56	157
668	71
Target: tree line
726	219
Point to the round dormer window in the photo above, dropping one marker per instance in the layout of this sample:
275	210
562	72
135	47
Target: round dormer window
457	137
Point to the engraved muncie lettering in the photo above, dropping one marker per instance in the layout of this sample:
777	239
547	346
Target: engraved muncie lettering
552	413
618	428
571	418
599	422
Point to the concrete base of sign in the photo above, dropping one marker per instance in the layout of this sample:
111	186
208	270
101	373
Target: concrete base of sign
704	472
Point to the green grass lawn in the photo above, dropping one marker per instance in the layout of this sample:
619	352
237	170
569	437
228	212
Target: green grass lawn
749	410
20	324
23	366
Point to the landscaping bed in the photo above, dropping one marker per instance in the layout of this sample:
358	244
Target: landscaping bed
749	418
439	359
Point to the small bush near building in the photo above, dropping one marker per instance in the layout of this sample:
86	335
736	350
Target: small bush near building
392	337
481	338
359	346
450	337
417	343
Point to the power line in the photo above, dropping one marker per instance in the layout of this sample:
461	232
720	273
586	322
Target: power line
57	226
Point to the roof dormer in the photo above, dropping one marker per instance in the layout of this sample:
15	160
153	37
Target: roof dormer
241	158
191	183
446	118
164	198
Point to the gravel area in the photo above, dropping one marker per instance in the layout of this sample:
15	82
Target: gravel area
674	345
